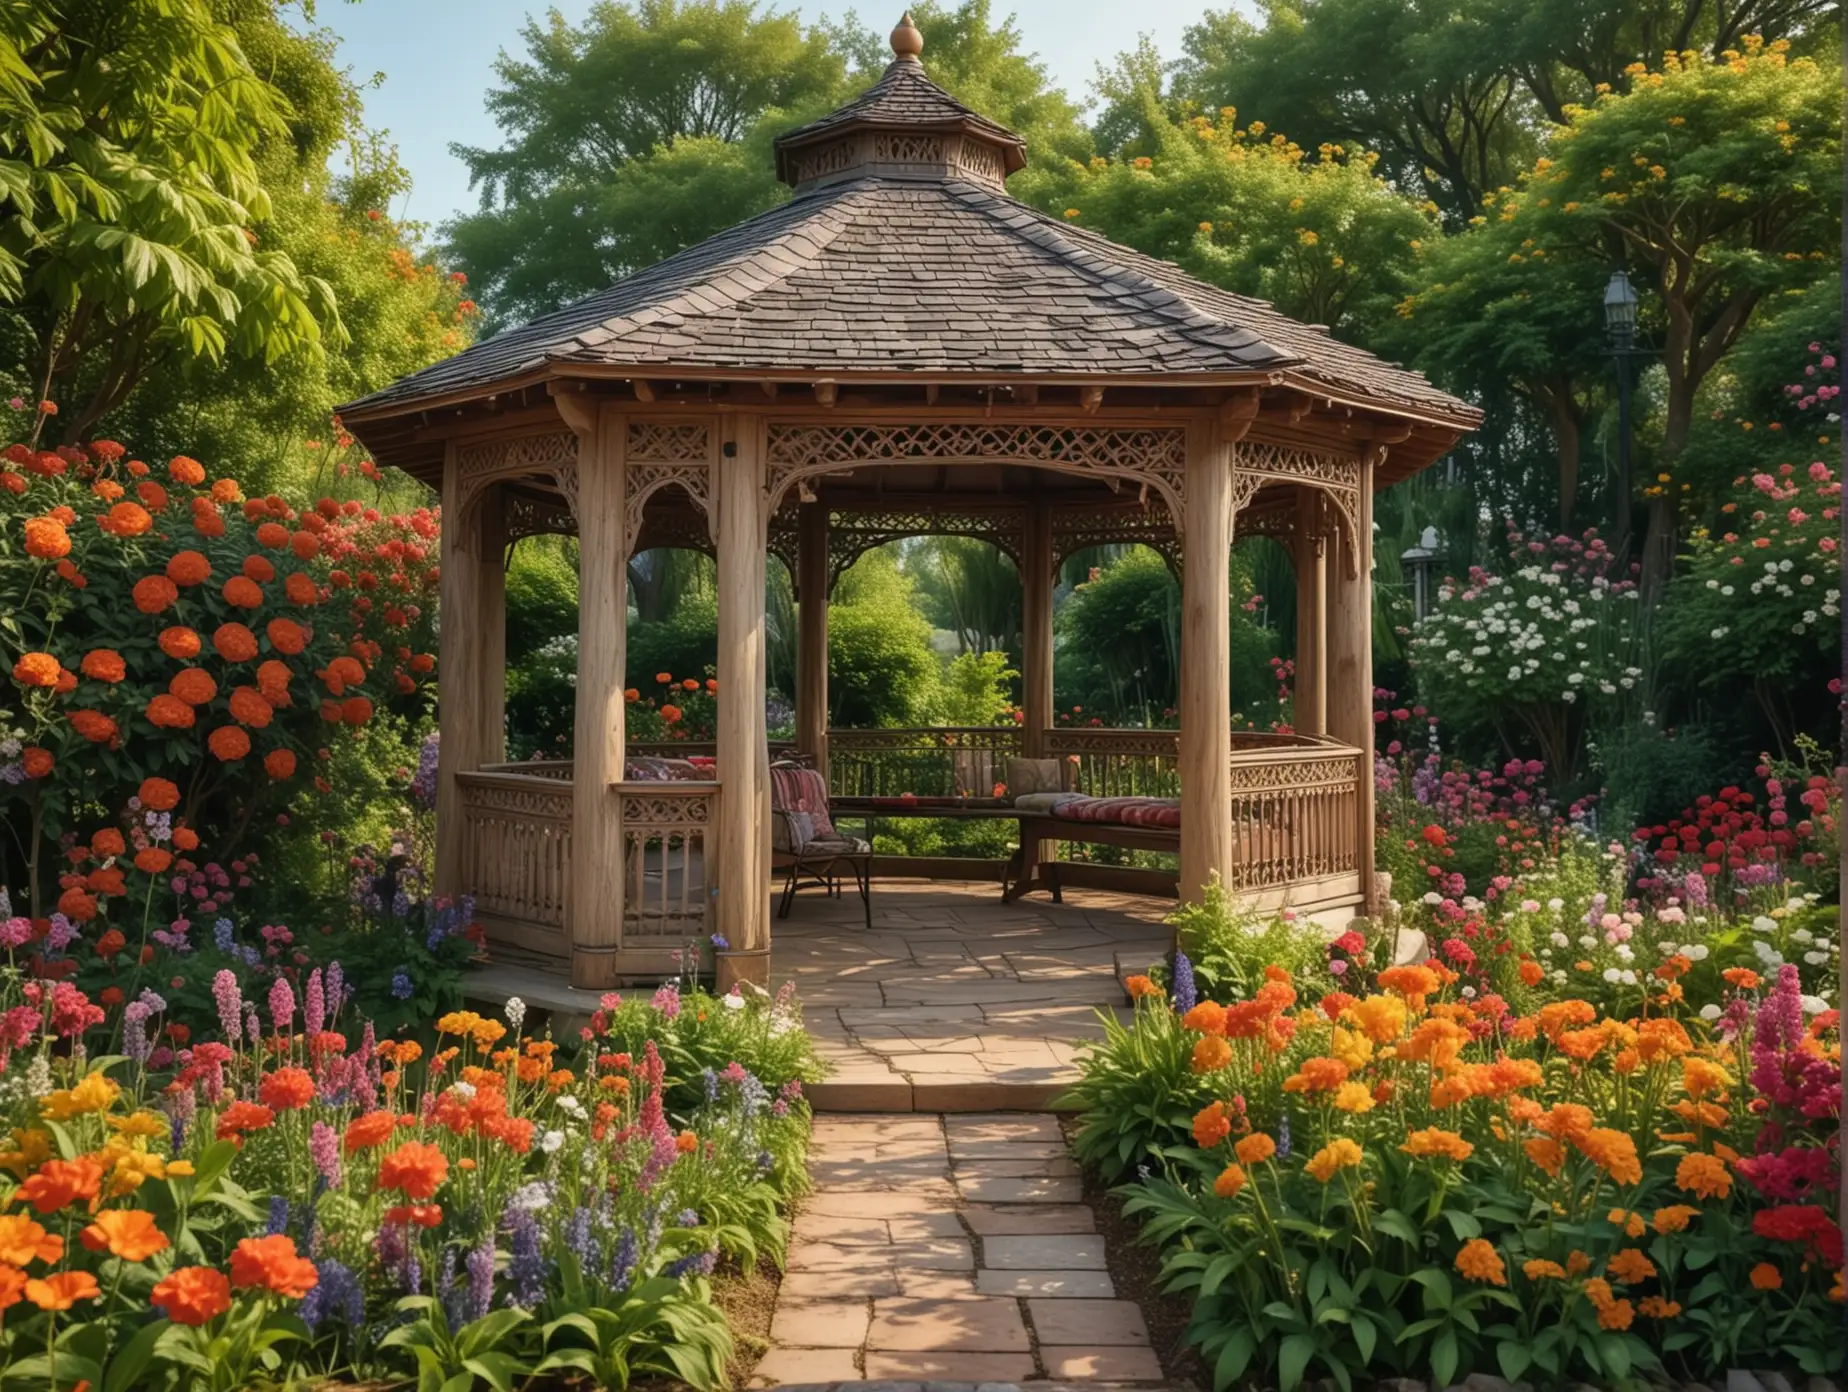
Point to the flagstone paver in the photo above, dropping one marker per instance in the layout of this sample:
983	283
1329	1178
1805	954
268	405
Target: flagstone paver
904	1269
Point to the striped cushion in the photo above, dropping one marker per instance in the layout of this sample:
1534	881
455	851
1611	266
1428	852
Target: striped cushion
1123	811
795	789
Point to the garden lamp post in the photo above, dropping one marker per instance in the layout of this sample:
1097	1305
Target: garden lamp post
1417	562
1620	326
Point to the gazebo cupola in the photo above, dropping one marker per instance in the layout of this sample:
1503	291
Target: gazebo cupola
902	127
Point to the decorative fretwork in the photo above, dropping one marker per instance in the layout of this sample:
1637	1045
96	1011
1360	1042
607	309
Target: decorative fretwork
980	162
835	157
665	834
1336	477
898	147
1151	456
487	462
1294	817
679	528
663	453
785	541
526	515
516	847
1078	526
853	531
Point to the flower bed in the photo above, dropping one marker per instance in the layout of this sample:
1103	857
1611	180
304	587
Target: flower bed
1419	1175
300	1199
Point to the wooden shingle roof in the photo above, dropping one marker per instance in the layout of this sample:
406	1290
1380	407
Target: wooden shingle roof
888	269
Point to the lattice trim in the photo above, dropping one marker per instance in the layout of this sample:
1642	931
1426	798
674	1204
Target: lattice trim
1155	456
1336	477
659	454
852	532
675	527
480	465
1077	526
1287	775
527	516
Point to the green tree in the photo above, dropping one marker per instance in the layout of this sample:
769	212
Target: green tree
1323	236
970	588
129	136
881	670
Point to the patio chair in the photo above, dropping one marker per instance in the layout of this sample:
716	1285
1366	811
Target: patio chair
803	839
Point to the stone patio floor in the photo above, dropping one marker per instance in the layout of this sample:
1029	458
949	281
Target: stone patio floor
954	1001
949	1249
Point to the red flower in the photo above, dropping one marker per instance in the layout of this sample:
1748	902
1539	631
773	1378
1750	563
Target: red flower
287	1089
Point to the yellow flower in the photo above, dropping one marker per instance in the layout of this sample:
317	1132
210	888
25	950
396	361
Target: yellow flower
96	1093
1307	237
1479	1261
1381	1018
1337	1155
31	1149
1354	1097
141	1123
1352	1047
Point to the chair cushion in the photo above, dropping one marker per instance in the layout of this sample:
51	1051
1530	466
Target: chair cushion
794	789
791	831
1028	776
836	845
1126	811
1045	802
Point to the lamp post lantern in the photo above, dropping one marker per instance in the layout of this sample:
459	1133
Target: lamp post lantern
1417	561
1620	326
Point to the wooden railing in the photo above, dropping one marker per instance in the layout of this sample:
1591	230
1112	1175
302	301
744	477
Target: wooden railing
533	768
940	761
1120	763
516	846
665	831
1295	815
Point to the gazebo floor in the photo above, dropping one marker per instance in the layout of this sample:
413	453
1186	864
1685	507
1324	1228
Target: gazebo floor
952	1002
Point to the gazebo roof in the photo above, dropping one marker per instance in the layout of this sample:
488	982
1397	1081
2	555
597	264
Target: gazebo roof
902	257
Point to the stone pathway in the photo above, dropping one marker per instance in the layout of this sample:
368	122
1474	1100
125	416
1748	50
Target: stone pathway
955	1001
949	1249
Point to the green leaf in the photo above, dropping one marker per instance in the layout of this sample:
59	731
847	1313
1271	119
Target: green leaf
1395	1224
1464	1225
1233	1358
1444	1357
1366	1336
1292	1359
1616	1355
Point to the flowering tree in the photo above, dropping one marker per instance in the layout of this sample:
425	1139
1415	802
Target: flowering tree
1539	646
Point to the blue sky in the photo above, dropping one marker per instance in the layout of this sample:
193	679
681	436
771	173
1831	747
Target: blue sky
437	58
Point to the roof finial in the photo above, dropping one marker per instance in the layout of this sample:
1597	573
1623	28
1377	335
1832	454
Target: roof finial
907	42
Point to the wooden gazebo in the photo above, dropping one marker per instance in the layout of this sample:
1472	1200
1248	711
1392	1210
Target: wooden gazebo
900	349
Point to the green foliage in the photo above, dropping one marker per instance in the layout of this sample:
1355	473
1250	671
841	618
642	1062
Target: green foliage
1137	1091
1119	638
881	671
685	644
1230	946
970	588
1322	237
976	689
705	1035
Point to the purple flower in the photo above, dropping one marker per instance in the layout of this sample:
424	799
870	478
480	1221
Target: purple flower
230	1002
622	1260
526	1266
337	1292
324	1151
1182	991
278	1216
480	1280
61	934
315	1010
699	1264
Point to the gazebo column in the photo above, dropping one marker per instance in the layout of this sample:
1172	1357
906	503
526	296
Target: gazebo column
1036	629
1350	665
1311	556
812	633
741	849
470	574
1206	668
493	611
594	910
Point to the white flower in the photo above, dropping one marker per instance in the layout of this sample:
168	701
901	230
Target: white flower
1761	924
734	1000
567	1102
1815	959
1625	953
1694	952
1588	941
1612	975
516	1013
1804	936
1556	904
1561	940
1814	1005
464	1090
551	1142
1710	1011
1629	978
1434	898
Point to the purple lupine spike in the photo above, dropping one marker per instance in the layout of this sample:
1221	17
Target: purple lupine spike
315	1010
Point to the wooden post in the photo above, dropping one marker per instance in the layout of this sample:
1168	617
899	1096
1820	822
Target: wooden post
1035	630
594	910
812	633
1350	664
1206	680
742	843
1310	553
492	609
459	714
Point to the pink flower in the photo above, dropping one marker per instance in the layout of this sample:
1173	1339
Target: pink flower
282	1006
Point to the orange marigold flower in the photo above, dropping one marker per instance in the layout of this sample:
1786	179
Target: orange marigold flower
249	708
1631	1223
1766	1277
1542	1270
1210	1053
103	664
1414	983
193	685
355	710
1208	1017
193	1295
108	842
185	839
186	470
1433	1141
1661	1038
240	1117
188	568
242	592
1547	1153
1479	1261
286	1089
228	743
279	763
1565	1121
93	726
23	1241
1630	1266
1658	1307
259	569
1136	986
37	669
128	1233
1701	1077
63	1290
1613	1152
153	860
168	712
273	535
418	1170
153	593
46	538
301	589
59	1182
1317	1074
234	643
286	636
1231	1180
1616	1314
1740	978
226	490
372	1129
1339	1154
1704	1176
1673	1219
179	642
126	520
305	545
159	794
1532	973
153	496
274	1264
686	1143
1254	1149
1211	1125
1556	1017
38	762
